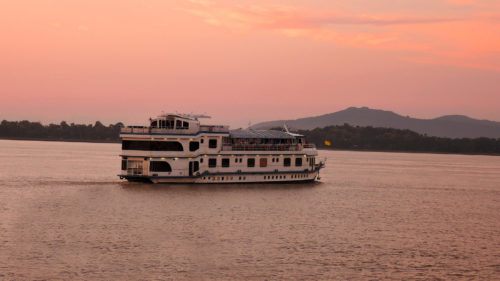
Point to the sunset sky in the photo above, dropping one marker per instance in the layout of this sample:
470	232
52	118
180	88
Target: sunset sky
241	61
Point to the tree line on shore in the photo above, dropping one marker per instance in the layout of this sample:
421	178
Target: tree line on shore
344	137
387	139
63	131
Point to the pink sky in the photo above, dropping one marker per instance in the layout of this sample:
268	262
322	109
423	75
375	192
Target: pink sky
242	61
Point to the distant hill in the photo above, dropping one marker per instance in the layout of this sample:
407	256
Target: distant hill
451	126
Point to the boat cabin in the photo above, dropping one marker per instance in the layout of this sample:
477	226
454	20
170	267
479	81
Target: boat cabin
174	122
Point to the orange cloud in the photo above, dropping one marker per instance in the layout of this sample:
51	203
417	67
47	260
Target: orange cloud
205	3
464	2
279	16
472	41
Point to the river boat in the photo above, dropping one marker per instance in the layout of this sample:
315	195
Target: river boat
177	148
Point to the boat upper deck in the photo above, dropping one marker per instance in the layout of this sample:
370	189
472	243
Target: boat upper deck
177	126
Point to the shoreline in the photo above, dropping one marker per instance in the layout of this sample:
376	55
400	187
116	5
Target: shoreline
60	140
328	149
413	152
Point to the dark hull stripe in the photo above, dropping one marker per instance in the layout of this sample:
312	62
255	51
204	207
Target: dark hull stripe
180	135
264	153
206	174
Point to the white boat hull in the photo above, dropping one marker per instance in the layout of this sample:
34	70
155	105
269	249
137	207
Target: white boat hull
281	177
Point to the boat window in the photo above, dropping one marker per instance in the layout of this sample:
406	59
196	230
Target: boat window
194	145
212	143
287	162
185	125
212	162
225	162
166	146
251	162
178	124
263	162
298	161
154	124
152	145
159	166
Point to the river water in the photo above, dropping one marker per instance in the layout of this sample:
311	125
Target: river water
64	214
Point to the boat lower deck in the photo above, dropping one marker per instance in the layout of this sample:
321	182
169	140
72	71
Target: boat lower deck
280	177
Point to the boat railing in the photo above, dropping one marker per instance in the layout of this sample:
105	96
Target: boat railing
149	130
170	131
136	130
214	128
261	147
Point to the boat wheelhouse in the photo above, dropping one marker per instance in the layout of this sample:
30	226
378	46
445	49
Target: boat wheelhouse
176	148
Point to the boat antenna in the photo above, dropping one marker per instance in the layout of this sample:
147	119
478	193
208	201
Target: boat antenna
285	128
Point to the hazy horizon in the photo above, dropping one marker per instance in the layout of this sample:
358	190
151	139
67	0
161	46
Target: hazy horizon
249	61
